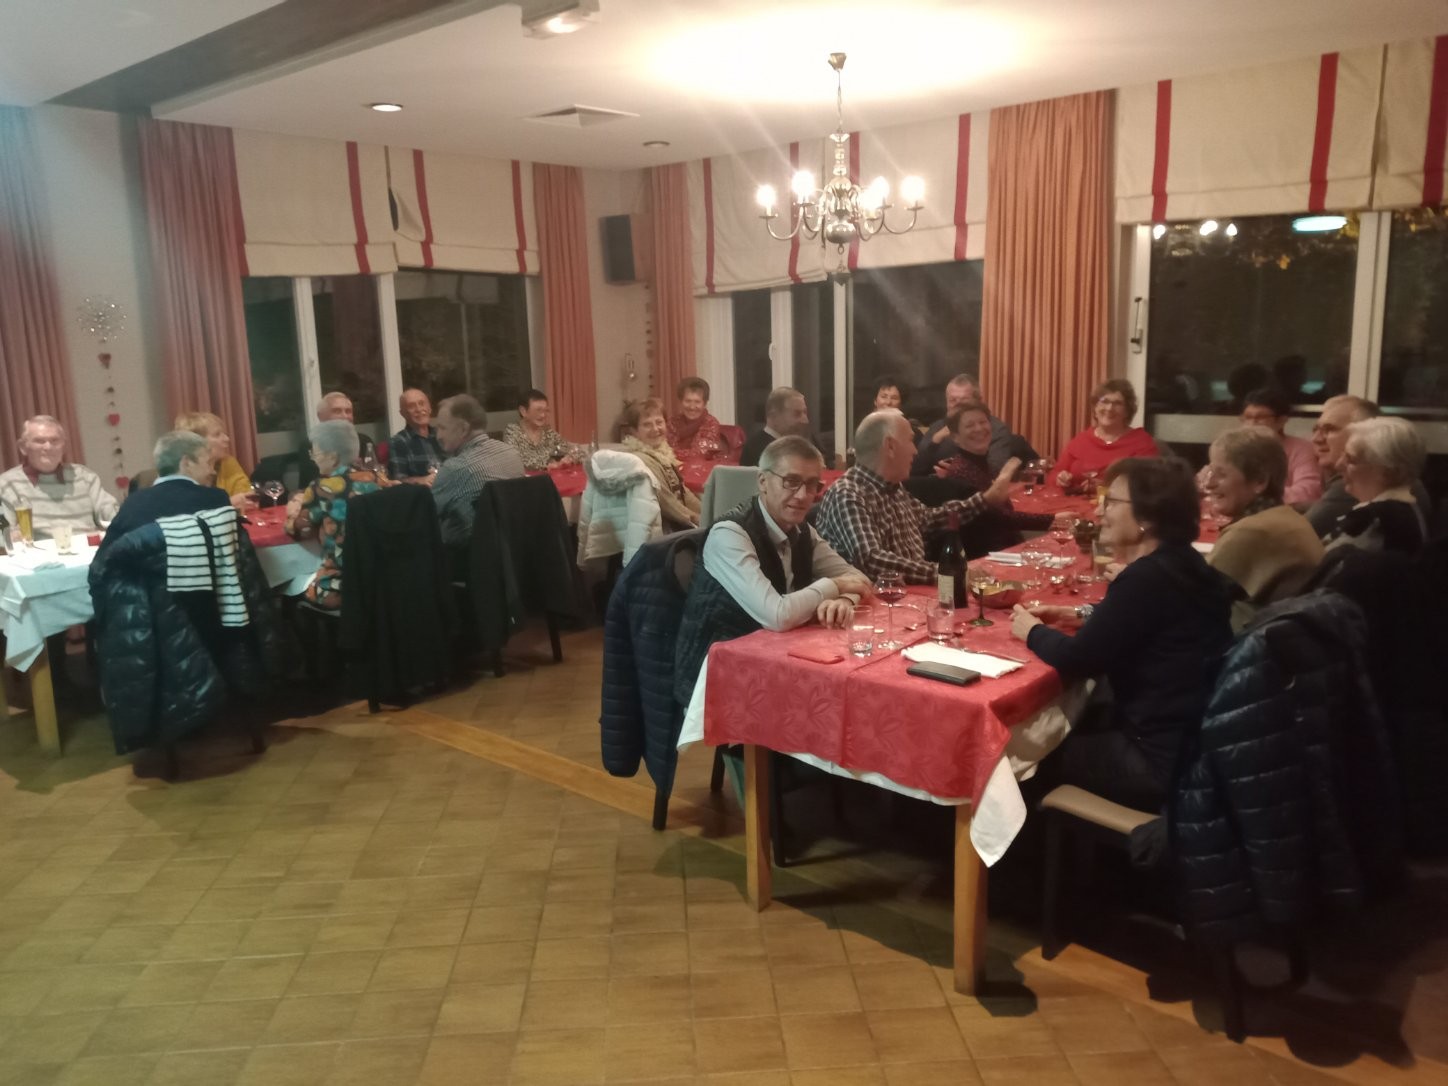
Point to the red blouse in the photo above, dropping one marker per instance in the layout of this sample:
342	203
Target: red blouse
1087	452
685	436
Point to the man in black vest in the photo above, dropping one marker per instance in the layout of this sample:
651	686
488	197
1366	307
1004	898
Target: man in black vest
763	567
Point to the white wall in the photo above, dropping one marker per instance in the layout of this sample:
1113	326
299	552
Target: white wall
98	243
620	312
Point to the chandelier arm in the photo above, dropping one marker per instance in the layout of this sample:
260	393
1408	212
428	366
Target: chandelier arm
914	213
769	225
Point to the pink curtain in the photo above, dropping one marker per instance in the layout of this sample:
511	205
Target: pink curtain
567	312
34	368
1045	311
673	279
196	264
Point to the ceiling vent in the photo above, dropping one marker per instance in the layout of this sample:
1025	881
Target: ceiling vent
580	116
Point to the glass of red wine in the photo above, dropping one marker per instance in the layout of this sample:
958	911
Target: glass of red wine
890	587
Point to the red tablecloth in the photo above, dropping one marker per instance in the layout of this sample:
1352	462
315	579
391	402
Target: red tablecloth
867	715
267	527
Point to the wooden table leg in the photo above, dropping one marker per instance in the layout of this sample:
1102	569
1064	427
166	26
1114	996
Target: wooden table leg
970	899
42	703
758	873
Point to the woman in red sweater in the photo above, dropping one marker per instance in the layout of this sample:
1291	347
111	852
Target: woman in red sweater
1110	438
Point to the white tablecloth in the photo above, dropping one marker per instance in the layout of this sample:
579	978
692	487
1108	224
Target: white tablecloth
38	602
1002	810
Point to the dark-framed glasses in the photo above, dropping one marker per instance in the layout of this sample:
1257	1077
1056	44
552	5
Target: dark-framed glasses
795	483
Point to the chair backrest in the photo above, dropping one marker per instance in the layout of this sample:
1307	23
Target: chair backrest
726	488
733	436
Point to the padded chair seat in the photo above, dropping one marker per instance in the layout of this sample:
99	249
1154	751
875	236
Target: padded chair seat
1089	807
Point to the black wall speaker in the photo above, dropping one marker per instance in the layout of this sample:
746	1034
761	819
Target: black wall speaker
625	248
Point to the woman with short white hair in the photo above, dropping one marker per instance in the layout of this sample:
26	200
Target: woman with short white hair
321	509
1382	459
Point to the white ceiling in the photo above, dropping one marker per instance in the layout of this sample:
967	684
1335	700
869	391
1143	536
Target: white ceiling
48	47
742	74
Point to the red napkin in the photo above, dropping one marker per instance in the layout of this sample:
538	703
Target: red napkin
816	655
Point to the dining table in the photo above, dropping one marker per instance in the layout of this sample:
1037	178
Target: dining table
801	693
44	592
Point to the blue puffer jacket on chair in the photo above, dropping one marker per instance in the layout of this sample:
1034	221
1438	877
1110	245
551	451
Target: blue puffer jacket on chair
640	719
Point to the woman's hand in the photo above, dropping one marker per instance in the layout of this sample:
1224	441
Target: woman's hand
1022	622
834	614
244	501
1063	479
1057	615
1112	570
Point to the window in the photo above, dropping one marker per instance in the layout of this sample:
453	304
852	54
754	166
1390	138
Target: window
271	336
349	344
464	332
1246	304
920	325
1414	370
813	320
753	370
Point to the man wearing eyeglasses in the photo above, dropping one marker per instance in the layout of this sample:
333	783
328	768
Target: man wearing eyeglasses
763	567
1329	441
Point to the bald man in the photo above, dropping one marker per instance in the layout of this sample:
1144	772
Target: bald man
338	405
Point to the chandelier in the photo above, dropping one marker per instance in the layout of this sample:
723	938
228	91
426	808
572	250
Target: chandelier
840	212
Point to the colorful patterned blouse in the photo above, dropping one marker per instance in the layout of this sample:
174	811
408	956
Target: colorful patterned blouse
323	514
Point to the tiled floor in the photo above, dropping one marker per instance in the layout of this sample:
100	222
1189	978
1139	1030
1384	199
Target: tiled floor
455	895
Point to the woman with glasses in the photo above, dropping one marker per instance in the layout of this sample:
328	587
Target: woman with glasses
1381	461
645	433
1109	438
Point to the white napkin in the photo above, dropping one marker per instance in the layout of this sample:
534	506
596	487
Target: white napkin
1006	558
928	652
32	558
1203	548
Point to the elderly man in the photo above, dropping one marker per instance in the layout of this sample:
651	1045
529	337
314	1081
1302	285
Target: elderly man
414	453
474	459
55	491
785	414
184	485
1329	442
338	405
870	519
763	567
937	444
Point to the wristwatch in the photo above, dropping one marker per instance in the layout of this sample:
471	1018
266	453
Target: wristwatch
1084	611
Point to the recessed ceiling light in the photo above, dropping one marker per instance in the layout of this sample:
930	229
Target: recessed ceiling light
1319	224
386	107
656	143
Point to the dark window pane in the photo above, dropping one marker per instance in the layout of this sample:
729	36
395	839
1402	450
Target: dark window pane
1251	303
1414	370
753	373
464	332
349	344
271	336
920	325
813	306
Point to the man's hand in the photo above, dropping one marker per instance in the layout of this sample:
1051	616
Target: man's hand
1000	490
834	613
1056	615
1063	479
853	584
1022	622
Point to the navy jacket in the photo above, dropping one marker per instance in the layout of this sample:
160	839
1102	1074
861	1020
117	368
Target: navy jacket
151	503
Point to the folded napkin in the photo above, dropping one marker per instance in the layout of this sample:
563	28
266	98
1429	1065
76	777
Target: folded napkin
1014	558
32	558
817	655
928	652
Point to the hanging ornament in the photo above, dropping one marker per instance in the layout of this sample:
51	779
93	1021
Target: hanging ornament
102	318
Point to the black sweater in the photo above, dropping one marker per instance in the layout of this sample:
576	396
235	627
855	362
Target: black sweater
1157	637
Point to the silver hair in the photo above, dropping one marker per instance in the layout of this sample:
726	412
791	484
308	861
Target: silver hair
1257	453
1391	445
1361	408
783	448
871	433
42	420
779	399
176	446
337	436
330	398
467	409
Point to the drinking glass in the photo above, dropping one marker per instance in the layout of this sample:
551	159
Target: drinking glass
25	524
1035	573
274	489
979	579
1063	531
62	534
912	615
940	620
860	632
890	588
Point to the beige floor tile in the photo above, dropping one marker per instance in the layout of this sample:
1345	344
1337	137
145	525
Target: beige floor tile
815	989
131	1030
333	972
432	927
1005	1037
218	1068
1237	1066
571	919
493	963
896	985
86	987
915	1034
301	1019
736	994
253	978
502	923
288	1065
632	917
747	1078
133	1070
129	944
225	1025
738	1045
558	1058
585	958
1113	1068
948	1073
357	931
565	1004
396	1014
412	968
723	951
827	1040
394	1062
171	982
511	888
655	1050
197	941
1026	1071
1098	1031
637	999
51	1038
280	935
481	1008
476	1058
650	952
792	948
839	1076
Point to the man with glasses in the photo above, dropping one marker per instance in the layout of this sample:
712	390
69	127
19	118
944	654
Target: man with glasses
1270	408
875	523
937	444
763	567
1329	442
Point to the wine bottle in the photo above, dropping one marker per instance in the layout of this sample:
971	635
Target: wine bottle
950	570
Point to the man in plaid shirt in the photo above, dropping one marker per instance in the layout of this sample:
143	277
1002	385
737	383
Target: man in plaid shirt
475	458
873	522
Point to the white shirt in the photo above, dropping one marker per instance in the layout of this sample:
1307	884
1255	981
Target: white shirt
730	557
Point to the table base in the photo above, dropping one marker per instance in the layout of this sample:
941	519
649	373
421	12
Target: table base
970	872
42	702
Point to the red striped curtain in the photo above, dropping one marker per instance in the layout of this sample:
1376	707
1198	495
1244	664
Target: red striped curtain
1046	300
193	211
34	368
567	316
673	279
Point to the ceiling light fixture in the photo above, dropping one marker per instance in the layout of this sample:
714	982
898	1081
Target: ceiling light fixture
1319	224
558	17
656	143
1159	231
841	211
1207	228
386	107
1231	230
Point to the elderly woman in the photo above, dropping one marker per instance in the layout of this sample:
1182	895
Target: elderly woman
1156	637
691	428
230	476
320	510
1109	438
1269	549
1382	459
537	443
645	434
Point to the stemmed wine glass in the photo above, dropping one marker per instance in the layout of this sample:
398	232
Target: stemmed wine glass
274	489
979	579
1063	531
890	587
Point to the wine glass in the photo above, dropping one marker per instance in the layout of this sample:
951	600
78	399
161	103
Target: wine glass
274	489
1028	475
1063	531
1034	562
979	578
890	588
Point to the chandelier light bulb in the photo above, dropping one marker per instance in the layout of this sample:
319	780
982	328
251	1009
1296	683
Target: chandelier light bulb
912	191
1207	228
802	184
1159	231
1231	230
765	197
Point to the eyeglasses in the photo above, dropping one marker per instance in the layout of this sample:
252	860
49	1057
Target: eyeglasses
1109	500
795	483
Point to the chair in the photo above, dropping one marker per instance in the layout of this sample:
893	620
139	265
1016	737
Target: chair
726	488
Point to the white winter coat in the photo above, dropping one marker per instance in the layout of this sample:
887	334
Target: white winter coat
620	509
